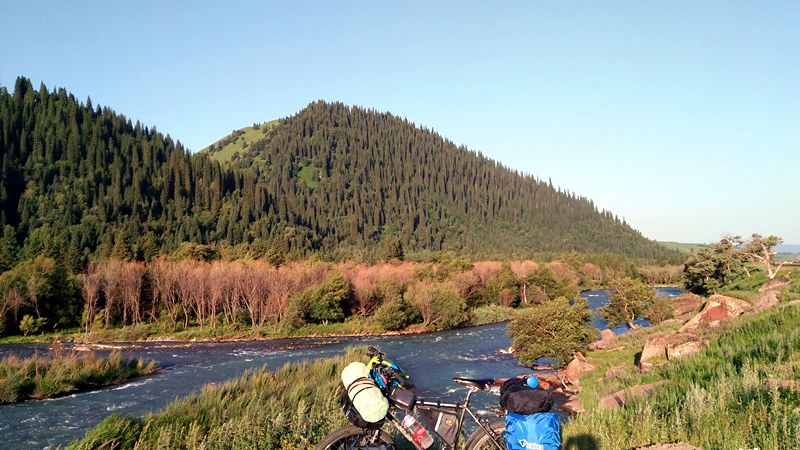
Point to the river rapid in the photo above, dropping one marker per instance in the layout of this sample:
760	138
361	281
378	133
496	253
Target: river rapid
431	360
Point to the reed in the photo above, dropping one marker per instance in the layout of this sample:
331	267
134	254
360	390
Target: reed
59	373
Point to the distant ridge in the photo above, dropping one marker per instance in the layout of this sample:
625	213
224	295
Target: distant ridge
363	175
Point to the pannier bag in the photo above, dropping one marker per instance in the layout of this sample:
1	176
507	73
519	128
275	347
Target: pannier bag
363	402
532	432
517	397
443	422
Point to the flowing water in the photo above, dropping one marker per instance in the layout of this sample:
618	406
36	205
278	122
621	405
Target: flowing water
431	360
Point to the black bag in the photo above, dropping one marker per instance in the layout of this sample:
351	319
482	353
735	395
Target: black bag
403	398
444	422
518	397
354	417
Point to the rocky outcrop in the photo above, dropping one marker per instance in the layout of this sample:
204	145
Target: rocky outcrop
577	367
624	396
687	303
717	309
606	337
767	295
665	347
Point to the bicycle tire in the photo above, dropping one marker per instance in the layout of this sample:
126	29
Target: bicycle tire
344	438
479	440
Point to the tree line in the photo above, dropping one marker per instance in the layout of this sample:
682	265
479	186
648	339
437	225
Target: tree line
82	183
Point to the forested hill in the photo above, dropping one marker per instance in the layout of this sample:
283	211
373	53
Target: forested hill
81	181
359	175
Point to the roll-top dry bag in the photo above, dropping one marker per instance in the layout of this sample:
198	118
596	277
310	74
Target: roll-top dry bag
362	401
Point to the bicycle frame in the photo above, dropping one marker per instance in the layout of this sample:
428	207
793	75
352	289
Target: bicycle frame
462	409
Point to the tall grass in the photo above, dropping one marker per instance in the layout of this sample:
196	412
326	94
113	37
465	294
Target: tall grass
292	408
718	398
40	377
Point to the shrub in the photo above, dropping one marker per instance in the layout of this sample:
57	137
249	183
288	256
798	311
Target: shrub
29	325
319	304
630	299
555	329
661	309
438	304
491	314
395	315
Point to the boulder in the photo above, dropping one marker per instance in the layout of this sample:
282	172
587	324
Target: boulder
577	367
614	372
717	309
572	405
622	397
661	348
606	336
687	303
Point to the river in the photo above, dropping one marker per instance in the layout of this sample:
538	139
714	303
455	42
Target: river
431	360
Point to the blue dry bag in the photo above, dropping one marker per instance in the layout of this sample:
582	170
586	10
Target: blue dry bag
532	432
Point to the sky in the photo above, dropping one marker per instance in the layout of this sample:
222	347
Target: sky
681	117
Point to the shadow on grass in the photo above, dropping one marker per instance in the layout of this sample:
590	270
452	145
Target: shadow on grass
581	442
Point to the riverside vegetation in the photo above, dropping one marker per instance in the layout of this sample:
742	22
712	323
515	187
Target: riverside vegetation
184	298
53	375
717	398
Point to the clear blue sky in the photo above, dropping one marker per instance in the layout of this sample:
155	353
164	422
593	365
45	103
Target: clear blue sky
681	117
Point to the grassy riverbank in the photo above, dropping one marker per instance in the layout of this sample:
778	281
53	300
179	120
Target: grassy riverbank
731	395
291	408
719	398
40	377
353	326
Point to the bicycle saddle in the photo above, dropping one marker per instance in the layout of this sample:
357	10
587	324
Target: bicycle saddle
480	384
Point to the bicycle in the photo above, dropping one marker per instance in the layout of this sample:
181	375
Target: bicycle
488	435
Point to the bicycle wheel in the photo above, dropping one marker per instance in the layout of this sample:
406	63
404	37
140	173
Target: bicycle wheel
479	440
352	438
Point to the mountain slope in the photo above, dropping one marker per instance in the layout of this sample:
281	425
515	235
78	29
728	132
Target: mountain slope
361	175
81	181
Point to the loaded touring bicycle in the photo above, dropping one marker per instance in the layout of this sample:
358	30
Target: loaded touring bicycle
380	392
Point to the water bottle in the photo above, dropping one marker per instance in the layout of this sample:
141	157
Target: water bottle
417	431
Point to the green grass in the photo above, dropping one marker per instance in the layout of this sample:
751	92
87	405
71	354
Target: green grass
309	175
40	377
717	399
236	145
291	408
681	246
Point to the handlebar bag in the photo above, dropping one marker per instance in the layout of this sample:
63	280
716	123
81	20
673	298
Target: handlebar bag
540	431
518	397
403	398
354	417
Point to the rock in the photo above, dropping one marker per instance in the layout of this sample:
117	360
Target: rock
573	405
767	296
774	284
577	367
717	309
550	378
687	303
661	348
606	336
792	385
614	372
676	446
622	397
